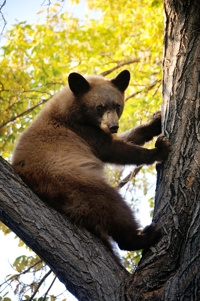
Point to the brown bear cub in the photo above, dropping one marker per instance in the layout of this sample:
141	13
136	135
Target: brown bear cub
62	154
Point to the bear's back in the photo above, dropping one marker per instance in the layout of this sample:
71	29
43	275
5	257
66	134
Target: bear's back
48	149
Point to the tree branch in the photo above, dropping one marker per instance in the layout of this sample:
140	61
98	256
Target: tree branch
4	20
73	254
145	89
128	62
52	283
39	284
130	176
24	113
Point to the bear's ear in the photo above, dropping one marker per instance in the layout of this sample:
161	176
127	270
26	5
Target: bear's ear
78	84
121	81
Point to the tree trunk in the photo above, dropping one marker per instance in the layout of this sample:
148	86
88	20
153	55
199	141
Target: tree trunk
172	271
169	271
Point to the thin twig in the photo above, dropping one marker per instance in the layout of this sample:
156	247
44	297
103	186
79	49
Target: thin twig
146	89
22	99
52	283
12	278
27	270
128	62
4	20
3	4
131	175
24	113
39	284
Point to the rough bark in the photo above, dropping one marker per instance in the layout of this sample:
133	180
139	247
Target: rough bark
172	272
169	271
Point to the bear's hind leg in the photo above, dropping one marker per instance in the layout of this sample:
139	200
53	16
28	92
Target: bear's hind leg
147	238
100	209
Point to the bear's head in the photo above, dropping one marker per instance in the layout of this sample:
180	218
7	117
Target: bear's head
97	101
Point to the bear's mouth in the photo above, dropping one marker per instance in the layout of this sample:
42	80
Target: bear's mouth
110	129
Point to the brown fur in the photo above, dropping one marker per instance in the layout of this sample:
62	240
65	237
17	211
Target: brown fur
61	157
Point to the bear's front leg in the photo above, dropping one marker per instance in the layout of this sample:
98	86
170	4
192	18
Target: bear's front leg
144	133
121	152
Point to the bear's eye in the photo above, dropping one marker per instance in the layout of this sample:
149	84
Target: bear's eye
118	108
100	108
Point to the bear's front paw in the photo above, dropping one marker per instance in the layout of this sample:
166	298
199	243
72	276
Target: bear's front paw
156	116
163	146
153	234
156	123
152	228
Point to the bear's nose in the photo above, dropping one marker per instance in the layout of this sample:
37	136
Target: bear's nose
113	128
